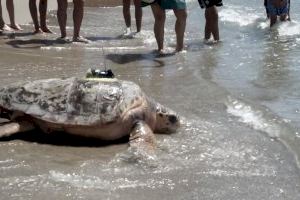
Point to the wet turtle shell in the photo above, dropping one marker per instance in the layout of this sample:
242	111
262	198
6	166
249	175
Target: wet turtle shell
71	101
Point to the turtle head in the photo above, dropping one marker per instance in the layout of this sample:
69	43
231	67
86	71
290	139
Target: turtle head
167	121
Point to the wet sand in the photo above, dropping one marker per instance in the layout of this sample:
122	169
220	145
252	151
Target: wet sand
103	3
22	14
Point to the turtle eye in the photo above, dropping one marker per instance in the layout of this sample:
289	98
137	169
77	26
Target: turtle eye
173	119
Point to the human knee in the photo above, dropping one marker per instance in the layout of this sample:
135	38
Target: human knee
137	4
211	14
78	3
62	5
181	15
158	13
126	5
160	17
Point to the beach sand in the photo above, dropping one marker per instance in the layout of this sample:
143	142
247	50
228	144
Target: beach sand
226	148
103	3
22	14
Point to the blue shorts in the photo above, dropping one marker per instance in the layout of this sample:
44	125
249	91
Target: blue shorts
210	3
172	4
272	10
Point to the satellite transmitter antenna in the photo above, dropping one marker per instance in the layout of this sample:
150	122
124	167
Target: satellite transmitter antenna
98	73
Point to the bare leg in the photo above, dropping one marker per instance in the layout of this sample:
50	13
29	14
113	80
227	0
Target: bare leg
62	16
126	13
11	13
207	30
211	25
289	7
14	127
1	18
34	15
159	25
180	25
43	15
77	17
3	26
138	15
273	19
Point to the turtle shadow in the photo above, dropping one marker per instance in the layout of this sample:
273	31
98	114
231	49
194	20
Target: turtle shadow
134	57
103	38
62	139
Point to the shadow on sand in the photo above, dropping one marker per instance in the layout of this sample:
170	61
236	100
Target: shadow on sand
34	43
107	38
134	57
62	139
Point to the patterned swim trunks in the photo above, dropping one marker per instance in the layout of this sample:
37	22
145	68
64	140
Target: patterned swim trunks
172	4
210	3
272	10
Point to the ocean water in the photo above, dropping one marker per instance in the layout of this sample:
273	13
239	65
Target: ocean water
239	101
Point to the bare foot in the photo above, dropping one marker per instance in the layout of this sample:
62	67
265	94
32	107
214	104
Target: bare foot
179	49
210	41
16	27
37	31
6	28
46	30
63	40
80	39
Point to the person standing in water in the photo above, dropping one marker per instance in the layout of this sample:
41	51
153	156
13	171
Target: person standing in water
277	8
267	12
159	11
211	18
11	14
42	27
127	16
78	12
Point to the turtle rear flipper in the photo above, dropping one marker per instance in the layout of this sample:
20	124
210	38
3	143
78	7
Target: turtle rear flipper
142	139
10	128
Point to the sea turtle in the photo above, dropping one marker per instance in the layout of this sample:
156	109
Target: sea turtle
104	108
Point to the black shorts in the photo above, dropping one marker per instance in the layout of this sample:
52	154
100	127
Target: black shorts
210	3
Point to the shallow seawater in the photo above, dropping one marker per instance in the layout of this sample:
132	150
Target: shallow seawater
239	101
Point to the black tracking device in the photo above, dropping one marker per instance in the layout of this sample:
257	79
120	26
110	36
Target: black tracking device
97	73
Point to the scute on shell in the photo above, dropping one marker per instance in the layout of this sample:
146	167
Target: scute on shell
68	101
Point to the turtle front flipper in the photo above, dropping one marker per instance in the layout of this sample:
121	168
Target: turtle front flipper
10	128
142	139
